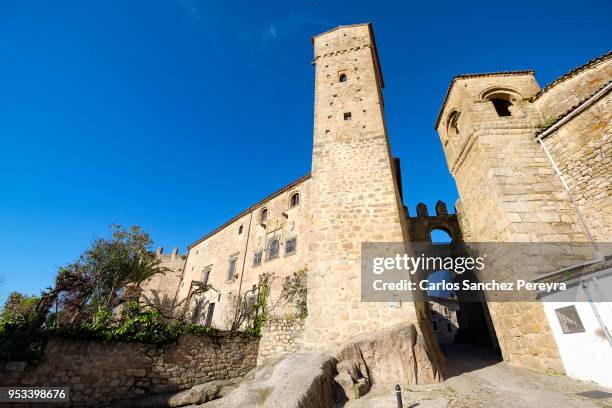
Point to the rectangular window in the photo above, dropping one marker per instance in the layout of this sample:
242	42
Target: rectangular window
348	116
209	315
231	270
290	246
257	258
206	274
569	320
273	247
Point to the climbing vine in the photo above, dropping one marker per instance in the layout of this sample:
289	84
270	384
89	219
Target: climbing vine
295	292
260	307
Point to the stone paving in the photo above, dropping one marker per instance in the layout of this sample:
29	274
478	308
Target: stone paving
477	380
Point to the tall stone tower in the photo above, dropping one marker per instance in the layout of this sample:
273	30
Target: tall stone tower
509	192
355	195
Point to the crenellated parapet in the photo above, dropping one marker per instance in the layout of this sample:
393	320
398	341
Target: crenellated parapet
421	226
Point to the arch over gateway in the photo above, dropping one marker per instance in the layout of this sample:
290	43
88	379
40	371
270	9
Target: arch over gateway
421	226
475	324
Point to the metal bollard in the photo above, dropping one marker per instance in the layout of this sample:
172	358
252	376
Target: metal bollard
398	394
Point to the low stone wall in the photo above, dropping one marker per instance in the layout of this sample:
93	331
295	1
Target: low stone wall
280	336
100	372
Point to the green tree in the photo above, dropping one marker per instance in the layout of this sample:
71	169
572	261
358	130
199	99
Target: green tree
108	274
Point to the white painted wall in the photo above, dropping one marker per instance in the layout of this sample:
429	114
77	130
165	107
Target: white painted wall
586	356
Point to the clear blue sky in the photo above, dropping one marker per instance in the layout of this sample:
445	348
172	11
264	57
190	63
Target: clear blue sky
176	115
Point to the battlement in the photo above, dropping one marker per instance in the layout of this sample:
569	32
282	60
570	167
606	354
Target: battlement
421	226
171	256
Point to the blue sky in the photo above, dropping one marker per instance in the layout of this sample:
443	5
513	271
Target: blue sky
176	115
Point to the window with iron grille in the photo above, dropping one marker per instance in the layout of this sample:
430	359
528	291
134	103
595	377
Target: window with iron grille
257	258
273	247
290	246
231	270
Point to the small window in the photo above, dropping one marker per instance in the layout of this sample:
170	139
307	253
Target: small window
446	311
209	315
295	199
347	116
452	124
257	258
502	106
449	328
231	270
435	325
343	78
206	275
273	247
240	229
263	217
569	320
290	246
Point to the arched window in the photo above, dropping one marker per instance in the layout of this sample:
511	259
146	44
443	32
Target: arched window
295	199
263	216
452	124
502	99
343	78
273	247
502	106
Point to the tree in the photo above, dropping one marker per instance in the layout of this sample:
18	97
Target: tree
108	274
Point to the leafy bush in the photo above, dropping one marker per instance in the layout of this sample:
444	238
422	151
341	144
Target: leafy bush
19	313
135	326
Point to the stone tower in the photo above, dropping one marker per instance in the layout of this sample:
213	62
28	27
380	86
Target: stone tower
509	192
355	194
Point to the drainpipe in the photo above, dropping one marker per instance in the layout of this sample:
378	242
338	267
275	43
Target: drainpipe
600	257
589	102
246	246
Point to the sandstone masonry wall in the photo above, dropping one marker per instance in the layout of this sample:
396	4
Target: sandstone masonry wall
240	239
574	87
160	289
582	149
99	372
280	336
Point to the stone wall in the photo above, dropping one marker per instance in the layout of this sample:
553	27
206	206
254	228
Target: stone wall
582	149
240	239
280	336
160	289
575	86
100	372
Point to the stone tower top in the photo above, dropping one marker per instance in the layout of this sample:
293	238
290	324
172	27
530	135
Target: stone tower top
476	103
343	39
348	83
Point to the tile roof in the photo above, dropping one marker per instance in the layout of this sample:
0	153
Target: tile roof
485	74
251	208
572	73
573	108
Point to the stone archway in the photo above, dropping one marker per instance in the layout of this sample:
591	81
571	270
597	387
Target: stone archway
475	325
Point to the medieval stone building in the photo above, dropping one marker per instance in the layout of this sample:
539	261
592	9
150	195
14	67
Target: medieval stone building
530	164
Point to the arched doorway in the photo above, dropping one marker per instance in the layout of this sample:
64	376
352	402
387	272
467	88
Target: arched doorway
461	320
470	341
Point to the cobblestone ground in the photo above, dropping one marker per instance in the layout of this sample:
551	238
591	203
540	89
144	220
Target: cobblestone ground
476	380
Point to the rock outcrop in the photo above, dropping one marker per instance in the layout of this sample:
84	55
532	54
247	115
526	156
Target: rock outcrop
397	355
312	379
299	380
